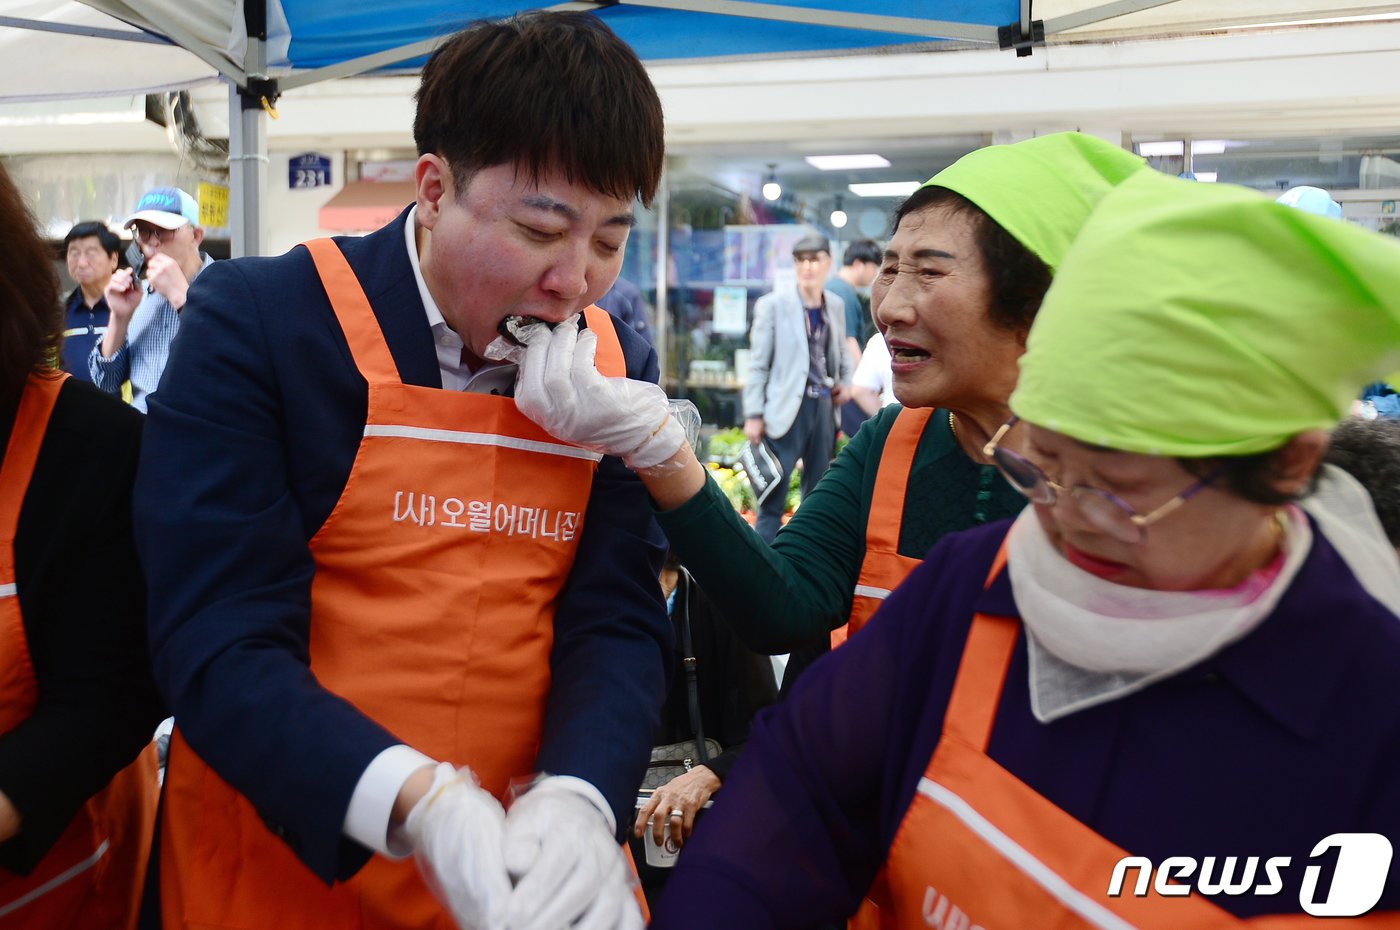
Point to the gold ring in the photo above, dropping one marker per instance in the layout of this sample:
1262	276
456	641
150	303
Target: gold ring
677	812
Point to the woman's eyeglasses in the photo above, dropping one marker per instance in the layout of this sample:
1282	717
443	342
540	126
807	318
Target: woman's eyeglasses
1105	511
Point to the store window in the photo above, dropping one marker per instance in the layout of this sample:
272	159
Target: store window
1362	173
733	214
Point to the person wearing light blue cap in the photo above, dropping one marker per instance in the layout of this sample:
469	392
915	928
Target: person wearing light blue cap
144	320
1312	200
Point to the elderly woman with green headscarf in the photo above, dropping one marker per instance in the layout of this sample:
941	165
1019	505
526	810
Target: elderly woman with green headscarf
1157	698
960	283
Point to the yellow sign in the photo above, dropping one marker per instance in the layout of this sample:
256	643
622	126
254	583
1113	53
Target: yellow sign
213	205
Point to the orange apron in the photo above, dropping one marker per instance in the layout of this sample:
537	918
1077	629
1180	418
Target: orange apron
92	877
978	848
432	611
884	568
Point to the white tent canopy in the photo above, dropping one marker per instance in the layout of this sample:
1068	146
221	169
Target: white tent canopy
86	53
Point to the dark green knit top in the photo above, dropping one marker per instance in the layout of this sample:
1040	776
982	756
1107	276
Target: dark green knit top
779	597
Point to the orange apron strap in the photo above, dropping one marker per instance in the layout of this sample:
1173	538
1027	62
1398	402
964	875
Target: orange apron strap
883	568
36	403
609	360
977	688
892	479
352	308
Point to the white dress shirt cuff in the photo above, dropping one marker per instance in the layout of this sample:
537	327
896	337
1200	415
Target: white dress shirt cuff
367	818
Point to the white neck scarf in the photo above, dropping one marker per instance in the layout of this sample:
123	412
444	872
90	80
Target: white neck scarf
1346	515
1092	641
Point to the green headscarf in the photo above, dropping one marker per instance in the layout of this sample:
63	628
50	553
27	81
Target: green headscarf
1198	320
1041	190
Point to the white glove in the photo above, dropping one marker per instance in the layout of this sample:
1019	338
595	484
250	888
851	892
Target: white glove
456	829
568	869
559	388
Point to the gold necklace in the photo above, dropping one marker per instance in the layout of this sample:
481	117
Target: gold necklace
976	454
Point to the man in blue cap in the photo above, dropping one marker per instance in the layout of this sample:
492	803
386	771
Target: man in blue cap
145	318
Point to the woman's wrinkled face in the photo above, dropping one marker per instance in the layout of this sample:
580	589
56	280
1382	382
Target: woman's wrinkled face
930	300
1211	541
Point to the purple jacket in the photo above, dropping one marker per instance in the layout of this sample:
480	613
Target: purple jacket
1286	737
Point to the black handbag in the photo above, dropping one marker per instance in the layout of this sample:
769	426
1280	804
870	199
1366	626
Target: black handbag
670	760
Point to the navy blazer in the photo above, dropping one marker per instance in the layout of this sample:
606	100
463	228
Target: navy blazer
247	447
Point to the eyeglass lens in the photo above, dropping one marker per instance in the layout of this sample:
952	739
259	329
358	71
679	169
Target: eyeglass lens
1098	506
1107	513
1023	475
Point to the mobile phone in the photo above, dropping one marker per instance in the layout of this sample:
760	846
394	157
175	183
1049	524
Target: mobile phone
137	260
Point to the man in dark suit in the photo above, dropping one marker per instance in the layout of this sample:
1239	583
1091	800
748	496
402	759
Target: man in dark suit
380	596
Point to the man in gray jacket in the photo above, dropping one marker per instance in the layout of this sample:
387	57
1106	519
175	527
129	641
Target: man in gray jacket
799	368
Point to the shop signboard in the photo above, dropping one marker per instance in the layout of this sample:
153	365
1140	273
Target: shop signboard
213	205
309	169
731	310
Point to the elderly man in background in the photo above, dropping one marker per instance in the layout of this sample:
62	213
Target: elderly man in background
93	252
144	321
799	369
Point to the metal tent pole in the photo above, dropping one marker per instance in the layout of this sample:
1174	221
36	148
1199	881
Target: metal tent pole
247	172
247	137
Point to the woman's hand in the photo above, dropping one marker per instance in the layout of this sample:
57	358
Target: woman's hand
677	802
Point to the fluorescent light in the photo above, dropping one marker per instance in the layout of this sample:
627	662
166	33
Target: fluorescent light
74	119
1360	18
885	188
1156	149
846	162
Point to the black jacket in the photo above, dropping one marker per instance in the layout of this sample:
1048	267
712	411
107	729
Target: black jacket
733	682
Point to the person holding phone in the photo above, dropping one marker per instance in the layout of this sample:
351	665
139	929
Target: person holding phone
145	318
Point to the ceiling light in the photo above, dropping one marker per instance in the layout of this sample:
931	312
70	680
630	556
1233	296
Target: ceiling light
1215	146
772	190
846	162
838	216
1159	149
885	189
